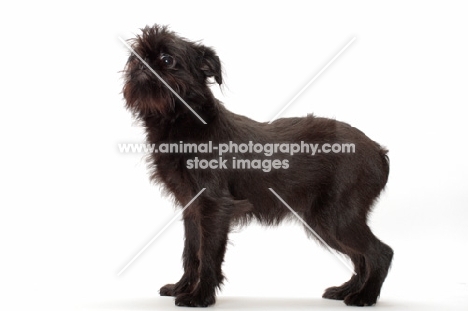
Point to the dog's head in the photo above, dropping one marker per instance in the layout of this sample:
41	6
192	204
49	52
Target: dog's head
186	66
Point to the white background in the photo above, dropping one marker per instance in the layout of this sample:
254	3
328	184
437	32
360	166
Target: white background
74	210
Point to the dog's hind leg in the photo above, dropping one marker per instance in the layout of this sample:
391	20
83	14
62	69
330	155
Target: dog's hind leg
329	237
378	257
371	259
353	285
343	228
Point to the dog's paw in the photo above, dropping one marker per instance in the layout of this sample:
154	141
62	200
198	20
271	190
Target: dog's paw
340	292
194	300
360	299
167	290
175	289
336	293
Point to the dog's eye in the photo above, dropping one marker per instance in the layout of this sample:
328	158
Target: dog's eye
168	60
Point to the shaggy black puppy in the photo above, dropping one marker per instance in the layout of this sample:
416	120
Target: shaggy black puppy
332	192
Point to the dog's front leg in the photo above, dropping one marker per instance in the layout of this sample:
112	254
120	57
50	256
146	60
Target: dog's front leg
214	222
190	258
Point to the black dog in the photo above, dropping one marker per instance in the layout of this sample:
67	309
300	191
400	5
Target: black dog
332	192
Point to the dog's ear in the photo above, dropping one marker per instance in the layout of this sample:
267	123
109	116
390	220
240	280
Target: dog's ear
211	65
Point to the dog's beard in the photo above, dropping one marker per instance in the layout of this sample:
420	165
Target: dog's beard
145	94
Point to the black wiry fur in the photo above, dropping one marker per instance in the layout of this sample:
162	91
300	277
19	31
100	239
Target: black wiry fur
333	193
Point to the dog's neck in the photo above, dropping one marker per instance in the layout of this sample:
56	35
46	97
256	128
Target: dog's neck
182	123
